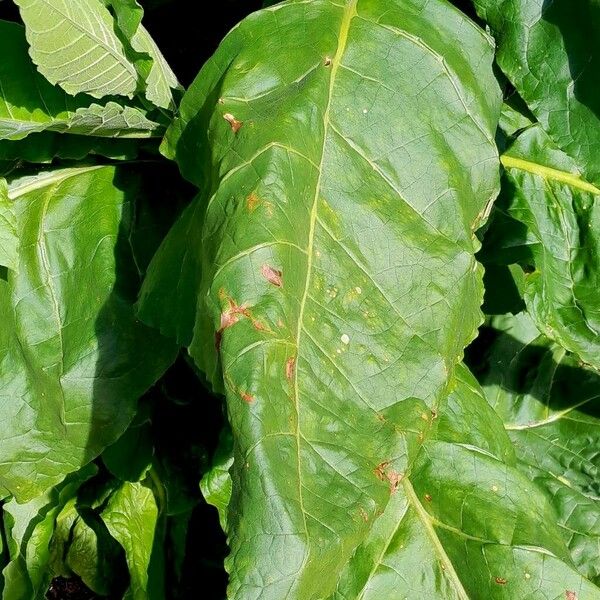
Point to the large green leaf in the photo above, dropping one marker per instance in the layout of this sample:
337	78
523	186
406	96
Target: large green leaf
30	104
73	358
551	409
462	522
74	44
346	158
550	220
550	51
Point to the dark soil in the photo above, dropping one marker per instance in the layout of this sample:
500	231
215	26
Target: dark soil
72	588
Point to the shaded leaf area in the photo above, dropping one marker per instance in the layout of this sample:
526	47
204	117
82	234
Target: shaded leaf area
9	240
46	147
301	181
547	220
74	358
149	537
550	52
549	404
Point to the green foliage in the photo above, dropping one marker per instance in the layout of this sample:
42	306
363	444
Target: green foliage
346	315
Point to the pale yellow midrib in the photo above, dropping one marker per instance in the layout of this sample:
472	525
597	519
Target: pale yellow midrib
53	177
349	13
510	162
423	515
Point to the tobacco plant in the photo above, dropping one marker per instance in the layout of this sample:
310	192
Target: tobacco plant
344	288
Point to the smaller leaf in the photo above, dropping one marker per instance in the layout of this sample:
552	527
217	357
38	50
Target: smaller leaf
550	407
80	50
160	81
29	104
29	528
216	483
86	550
95	556
551	204
131	516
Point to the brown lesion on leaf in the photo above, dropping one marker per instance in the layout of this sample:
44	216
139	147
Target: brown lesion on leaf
246	397
273	276
500	580
229	317
569	595
427	497
394	478
327	61
290	368
259	325
384	473
252	201
232	315
434	413
379	470
233	122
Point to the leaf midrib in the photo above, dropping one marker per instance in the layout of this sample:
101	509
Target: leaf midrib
54	177
425	518
511	162
349	13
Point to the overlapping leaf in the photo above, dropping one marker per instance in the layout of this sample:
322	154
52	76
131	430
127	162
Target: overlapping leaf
73	358
28	530
464	522
74	44
550	51
550	406
549	222
346	157
131	517
160	81
46	146
30	104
